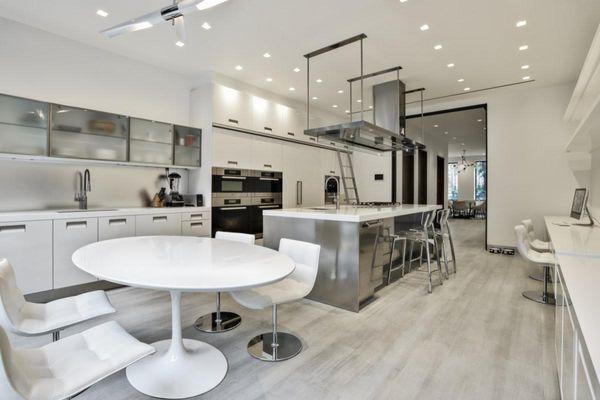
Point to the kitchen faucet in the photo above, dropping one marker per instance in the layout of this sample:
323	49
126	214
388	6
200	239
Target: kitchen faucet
85	186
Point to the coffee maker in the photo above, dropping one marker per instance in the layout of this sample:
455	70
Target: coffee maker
174	198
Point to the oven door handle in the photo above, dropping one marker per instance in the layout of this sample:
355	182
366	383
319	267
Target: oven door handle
240	178
269	206
268	179
233	208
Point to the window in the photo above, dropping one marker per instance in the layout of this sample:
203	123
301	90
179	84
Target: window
452	181
480	180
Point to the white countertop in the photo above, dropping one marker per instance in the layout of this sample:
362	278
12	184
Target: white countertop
183	263
572	239
17	216
350	213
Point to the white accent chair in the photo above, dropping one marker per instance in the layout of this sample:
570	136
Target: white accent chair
62	369
275	345
545	260
537	245
31	319
221	321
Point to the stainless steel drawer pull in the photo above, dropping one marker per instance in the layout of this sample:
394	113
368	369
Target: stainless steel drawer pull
291	134
233	121
161	218
196	215
268	129
232	162
13	228
77	224
117	221
267	166
264	207
197	224
313	139
233	208
332	172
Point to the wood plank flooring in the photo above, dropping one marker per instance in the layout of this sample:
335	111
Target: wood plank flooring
475	337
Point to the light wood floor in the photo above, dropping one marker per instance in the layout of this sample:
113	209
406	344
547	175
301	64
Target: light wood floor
475	337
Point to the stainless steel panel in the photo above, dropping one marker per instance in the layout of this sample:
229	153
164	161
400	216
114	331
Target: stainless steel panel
227	201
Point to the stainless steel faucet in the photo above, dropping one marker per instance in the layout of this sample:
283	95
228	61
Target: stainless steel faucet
85	186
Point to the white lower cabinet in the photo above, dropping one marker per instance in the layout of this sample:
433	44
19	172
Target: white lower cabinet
28	247
158	224
584	390
70	235
568	364
116	227
195	228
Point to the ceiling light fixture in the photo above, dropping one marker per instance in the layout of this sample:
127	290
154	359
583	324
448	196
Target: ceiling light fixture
315	98
335	106
179	43
526	78
424	27
269	79
479	120
340	91
296	69
359	101
467	89
266	55
436	126
206	26
208	4
437	47
319	80
347	111
523	47
461	80
521	23
451	65
446	132
239	67
371	107
524	66
292	89
102	13
403	1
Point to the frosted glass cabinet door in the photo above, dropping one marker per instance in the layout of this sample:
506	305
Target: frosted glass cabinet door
188	142
151	142
23	126
80	133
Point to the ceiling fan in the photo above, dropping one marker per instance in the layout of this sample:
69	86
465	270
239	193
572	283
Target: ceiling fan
173	13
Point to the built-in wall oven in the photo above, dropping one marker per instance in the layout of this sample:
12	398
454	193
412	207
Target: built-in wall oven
240	197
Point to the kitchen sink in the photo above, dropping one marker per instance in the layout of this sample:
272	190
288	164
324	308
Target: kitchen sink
88	210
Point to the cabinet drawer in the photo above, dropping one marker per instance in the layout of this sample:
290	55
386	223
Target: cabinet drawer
116	227
195	228
28	247
158	224
70	235
195	216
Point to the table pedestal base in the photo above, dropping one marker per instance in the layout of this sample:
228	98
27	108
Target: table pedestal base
198	369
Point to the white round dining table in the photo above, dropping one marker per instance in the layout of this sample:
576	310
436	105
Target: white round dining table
181	368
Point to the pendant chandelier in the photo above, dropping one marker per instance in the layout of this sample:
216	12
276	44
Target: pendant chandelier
463	164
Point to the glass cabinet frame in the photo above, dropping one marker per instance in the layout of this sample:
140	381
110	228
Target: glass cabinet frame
23	126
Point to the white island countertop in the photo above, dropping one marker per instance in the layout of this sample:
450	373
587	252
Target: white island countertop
351	213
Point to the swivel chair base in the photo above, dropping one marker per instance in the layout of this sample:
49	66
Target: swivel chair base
263	347
539	297
210	323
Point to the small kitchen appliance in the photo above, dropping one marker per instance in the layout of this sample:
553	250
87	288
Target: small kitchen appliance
174	198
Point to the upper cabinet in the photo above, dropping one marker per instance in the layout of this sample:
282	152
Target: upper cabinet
151	142
187	146
88	134
23	126
231	107
265	116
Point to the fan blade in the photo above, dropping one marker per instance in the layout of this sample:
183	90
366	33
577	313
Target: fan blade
143	22
188	6
179	29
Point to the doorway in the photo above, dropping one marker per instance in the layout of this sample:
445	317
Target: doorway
422	180
408	178
441	180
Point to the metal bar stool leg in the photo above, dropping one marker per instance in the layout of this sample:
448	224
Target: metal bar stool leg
451	247
445	255
218	321
430	287
403	255
437	258
543	297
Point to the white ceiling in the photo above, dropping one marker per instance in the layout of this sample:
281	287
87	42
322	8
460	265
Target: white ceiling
478	36
462	130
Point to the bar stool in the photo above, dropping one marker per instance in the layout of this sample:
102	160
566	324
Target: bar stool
537	245
445	236
397	239
545	260
422	238
222	321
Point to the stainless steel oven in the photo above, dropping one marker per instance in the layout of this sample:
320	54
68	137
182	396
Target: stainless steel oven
231	213
267	182
231	180
260	203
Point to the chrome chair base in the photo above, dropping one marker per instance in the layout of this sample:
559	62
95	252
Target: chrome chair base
539	297
208	323
262	348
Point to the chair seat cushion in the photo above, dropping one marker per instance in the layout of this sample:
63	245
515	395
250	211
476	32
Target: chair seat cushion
64	368
277	293
58	314
540	245
540	258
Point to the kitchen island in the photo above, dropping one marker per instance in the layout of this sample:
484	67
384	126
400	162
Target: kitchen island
355	245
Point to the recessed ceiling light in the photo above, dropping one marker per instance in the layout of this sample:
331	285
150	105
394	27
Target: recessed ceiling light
269	79
462	144
102	13
347	111
524	66
467	89
335	106
526	78
206	26
403	1
315	98
437	47
292	89
319	80
424	27
179	43
445	133
454	138
359	101
370	106
451	65
479	120
296	69
461	80
523	47
436	125
521	23
340	91
239	67
267	55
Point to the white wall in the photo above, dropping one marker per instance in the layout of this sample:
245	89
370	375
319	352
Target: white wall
466	178
528	174
47	67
